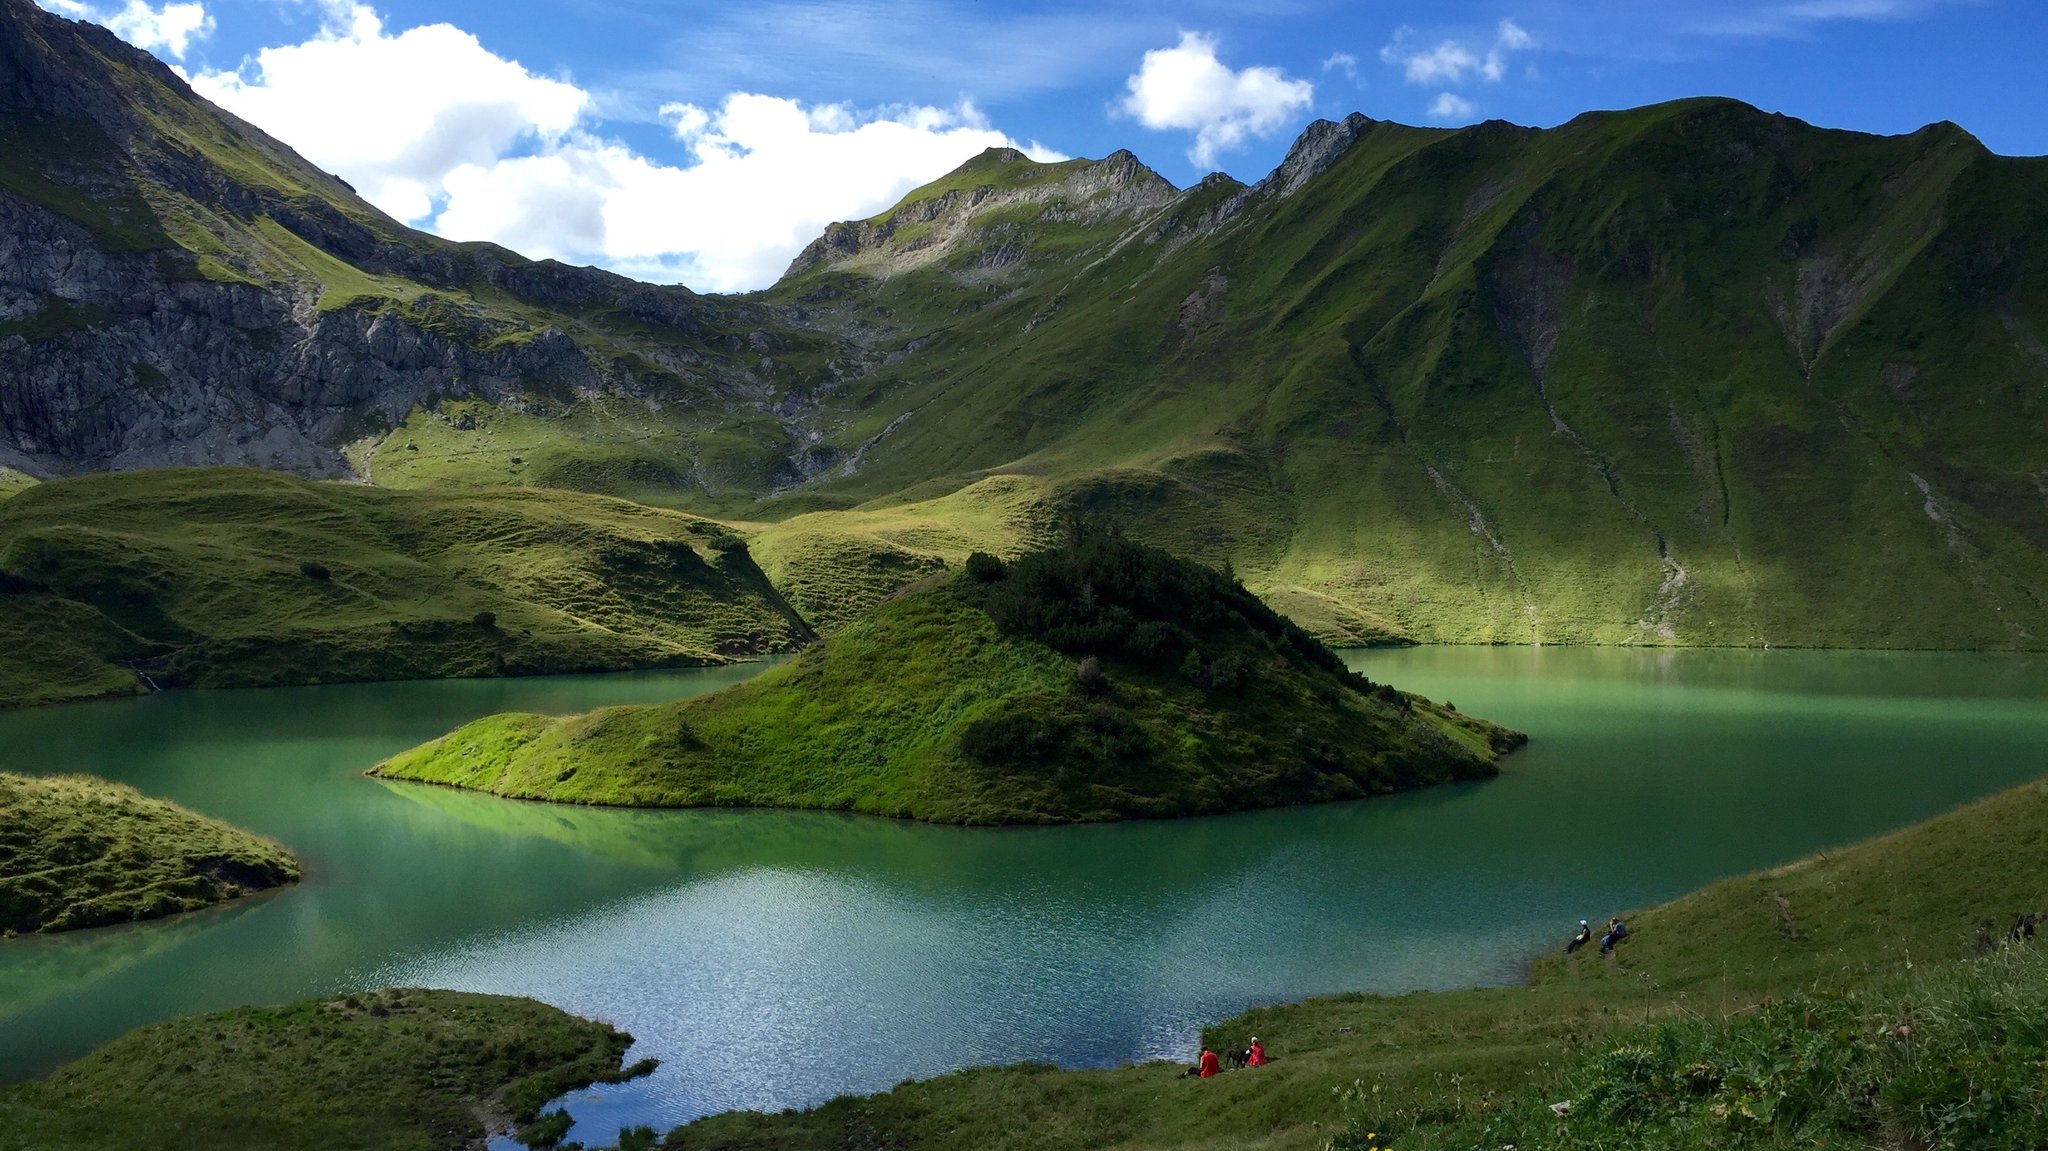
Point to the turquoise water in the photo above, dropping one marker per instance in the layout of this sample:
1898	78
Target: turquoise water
772	959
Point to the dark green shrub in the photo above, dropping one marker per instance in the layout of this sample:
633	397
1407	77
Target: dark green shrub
487	620
984	568
316	571
1102	594
546	1131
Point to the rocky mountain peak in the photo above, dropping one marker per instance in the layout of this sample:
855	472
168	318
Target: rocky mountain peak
1314	150
951	217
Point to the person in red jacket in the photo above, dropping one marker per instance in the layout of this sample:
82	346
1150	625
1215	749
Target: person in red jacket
1258	1055
1210	1064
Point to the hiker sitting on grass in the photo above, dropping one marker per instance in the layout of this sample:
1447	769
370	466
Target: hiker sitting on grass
1616	932
1210	1064
1257	1058
1584	937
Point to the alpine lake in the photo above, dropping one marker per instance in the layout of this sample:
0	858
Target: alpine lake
775	959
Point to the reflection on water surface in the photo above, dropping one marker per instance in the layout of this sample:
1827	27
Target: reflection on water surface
774	958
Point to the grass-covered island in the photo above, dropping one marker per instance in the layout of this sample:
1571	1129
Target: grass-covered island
77	851
395	1070
1099	679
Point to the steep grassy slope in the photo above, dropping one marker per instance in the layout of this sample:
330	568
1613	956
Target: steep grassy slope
397	1070
1730	1018
222	577
77	851
1097	680
1689	373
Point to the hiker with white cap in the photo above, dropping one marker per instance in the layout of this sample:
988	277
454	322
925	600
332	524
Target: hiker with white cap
1584	937
1258	1054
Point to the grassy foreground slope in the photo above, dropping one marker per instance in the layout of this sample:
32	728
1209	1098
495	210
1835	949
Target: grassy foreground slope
1838	1002
396	1070
1099	679
77	851
227	577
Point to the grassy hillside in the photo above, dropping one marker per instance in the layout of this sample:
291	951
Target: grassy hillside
13	482
77	851
396	1070
1098	679
220	577
1762	1011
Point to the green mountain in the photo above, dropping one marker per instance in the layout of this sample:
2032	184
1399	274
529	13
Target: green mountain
1690	373
77	851
1684	374
1098	680
230	577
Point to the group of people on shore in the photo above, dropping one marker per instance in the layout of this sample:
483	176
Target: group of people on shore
1252	1055
1615	933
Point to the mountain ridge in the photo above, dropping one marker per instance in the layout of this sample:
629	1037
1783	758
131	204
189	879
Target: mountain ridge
1691	373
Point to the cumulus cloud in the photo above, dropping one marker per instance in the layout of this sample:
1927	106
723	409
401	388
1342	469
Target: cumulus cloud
395	114
1344	62
1187	88
1453	61
767	175
1450	106
442	133
170	29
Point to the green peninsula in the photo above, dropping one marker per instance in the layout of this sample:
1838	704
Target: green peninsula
395	1070
77	851
1096	680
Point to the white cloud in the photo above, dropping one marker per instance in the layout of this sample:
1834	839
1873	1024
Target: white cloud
395	114
1344	61
1792	19
768	175
1451	106
1452	61
1187	88
1448	62
441	132
170	29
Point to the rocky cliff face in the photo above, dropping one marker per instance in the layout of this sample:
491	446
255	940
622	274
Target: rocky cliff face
124	360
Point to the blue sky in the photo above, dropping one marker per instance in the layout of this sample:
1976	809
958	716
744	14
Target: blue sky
705	142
